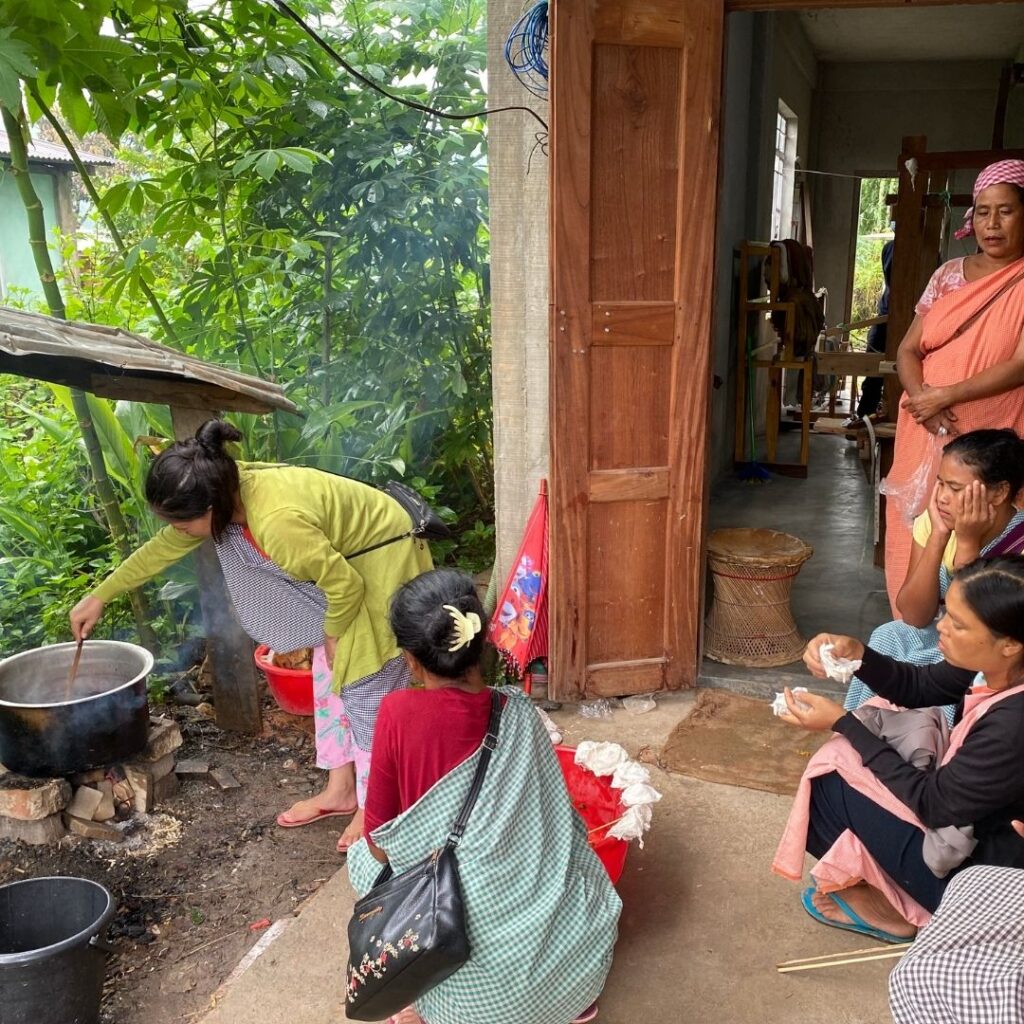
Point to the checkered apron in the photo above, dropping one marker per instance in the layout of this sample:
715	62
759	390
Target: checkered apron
541	913
274	608
967	965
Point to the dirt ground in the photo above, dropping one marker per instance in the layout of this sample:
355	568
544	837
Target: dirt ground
196	880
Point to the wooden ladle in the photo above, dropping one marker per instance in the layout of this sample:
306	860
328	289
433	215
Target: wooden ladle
74	670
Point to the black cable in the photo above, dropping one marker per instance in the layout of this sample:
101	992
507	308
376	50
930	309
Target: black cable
328	49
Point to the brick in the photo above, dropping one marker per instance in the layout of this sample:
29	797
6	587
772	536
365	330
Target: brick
144	779
164	738
85	802
32	799
165	789
192	768
223	779
38	832
89	778
92	829
106	809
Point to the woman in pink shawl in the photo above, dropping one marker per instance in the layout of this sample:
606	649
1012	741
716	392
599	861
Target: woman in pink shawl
961	363
874	819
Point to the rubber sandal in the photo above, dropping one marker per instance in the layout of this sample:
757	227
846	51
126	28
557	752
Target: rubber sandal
285	822
855	924
590	1013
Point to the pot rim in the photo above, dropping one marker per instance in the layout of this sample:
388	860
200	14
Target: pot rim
146	669
80	938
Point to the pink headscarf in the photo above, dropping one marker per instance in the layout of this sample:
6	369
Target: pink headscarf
1005	172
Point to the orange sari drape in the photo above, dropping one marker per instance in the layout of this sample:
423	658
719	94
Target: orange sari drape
991	339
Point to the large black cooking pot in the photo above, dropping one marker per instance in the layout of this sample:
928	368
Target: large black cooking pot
106	719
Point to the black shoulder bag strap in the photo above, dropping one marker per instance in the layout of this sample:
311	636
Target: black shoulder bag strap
490	742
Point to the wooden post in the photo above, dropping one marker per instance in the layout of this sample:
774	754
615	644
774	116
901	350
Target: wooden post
236	684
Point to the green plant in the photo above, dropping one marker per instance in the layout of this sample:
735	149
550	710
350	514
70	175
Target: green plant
269	213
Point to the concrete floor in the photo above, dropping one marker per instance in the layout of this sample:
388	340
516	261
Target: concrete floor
703	926
839	588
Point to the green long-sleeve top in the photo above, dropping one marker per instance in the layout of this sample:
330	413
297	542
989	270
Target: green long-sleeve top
306	521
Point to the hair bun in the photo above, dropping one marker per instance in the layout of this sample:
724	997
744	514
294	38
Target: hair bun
212	435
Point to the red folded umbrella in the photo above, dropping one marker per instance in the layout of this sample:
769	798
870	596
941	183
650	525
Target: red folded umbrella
519	628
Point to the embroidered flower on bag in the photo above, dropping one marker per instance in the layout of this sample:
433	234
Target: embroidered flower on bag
378	965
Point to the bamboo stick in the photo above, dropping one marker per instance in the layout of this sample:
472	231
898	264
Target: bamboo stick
853	956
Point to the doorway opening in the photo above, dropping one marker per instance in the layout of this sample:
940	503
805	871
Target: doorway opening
817	106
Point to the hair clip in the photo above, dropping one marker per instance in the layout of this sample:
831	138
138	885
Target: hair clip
467	625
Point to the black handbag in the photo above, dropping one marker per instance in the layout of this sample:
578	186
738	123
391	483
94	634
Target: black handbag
426	523
408	933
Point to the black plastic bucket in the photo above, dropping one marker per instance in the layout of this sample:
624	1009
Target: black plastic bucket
52	953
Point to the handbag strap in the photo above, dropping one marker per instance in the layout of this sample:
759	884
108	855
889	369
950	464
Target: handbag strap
1016	279
383	544
490	742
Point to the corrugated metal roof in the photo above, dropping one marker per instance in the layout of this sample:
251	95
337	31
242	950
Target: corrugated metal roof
53	153
118	364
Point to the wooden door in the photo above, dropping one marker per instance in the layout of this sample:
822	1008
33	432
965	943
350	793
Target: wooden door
634	147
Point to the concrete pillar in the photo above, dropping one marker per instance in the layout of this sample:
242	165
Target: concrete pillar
518	167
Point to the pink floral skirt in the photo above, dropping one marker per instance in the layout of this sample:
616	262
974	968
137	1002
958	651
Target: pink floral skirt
335	744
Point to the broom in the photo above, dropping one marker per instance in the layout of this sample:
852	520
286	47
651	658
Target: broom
752	471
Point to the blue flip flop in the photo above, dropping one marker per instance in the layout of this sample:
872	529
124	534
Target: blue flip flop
856	922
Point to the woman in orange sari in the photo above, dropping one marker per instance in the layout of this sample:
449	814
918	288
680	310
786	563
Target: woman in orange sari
961	363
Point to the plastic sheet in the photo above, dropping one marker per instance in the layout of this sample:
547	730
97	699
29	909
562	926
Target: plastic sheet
629	773
595	709
911	497
600	758
779	706
633	824
639	704
842	670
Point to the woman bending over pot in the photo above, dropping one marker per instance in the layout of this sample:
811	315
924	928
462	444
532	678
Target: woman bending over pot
282	534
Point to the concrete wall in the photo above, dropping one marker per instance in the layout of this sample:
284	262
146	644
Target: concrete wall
862	112
519	292
17	267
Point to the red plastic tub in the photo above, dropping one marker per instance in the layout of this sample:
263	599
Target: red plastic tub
292	687
598	804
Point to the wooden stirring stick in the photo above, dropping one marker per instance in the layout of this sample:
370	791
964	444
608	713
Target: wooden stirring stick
74	669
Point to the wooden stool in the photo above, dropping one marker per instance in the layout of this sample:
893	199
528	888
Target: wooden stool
750	622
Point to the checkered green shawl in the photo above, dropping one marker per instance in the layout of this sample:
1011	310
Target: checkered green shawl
541	913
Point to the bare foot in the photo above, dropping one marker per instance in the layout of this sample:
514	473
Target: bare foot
870	905
351	836
407	1016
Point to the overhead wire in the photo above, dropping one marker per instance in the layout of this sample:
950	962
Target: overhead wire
289	12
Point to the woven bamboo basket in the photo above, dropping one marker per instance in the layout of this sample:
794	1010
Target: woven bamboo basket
750	622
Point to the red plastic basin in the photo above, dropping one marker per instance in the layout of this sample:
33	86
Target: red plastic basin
598	804
292	688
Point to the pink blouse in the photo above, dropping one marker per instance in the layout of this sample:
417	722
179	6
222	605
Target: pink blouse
948	278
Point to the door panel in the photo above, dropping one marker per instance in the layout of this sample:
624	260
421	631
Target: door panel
634	149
